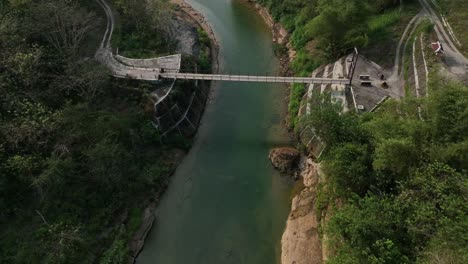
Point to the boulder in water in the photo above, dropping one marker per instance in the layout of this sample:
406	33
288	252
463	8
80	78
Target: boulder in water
285	159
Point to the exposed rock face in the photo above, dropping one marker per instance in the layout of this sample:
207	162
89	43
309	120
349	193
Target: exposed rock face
300	243
284	159
138	239
186	35
280	34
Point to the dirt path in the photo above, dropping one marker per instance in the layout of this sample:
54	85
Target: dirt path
398	56
105	43
396	81
415	69
446	23
426	70
446	36
456	62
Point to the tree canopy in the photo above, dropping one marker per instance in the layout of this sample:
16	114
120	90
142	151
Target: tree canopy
77	149
403	185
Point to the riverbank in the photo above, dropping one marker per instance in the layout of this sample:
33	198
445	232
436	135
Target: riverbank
283	48
198	19
300	242
149	214
225	186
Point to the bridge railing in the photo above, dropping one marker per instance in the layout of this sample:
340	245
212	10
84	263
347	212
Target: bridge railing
253	78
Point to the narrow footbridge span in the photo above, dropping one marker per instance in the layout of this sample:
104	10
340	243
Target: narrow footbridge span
177	114
251	78
168	67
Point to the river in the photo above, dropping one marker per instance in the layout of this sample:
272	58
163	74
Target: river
225	203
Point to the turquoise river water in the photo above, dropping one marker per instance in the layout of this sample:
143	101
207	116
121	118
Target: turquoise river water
225	203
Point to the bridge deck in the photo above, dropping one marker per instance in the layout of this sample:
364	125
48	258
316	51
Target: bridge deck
249	78
150	69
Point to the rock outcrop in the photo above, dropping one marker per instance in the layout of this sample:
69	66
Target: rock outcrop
300	243
285	159
138	239
280	34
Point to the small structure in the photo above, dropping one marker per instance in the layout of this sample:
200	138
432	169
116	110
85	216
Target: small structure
437	48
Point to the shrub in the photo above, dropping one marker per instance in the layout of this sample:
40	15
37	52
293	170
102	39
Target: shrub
295	97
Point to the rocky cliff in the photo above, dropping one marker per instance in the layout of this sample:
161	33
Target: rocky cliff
301	243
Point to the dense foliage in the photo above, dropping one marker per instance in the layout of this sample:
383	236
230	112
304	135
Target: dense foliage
145	32
337	25
397	184
77	149
322	30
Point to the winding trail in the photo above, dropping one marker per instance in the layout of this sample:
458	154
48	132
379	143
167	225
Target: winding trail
425	65
105	43
396	80
399	54
121	67
415	69
446	23
457	63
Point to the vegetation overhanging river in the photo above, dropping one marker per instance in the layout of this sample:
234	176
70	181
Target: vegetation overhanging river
225	203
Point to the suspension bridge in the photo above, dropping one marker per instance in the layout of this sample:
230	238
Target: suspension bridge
251	78
168	67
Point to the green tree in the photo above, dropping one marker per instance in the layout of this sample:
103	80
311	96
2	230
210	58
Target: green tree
448	110
396	155
369	230
116	254
349	166
339	25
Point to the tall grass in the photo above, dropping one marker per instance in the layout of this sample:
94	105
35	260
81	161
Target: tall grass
385	20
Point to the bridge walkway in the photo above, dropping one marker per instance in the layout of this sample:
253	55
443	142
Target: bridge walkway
168	66
252	78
